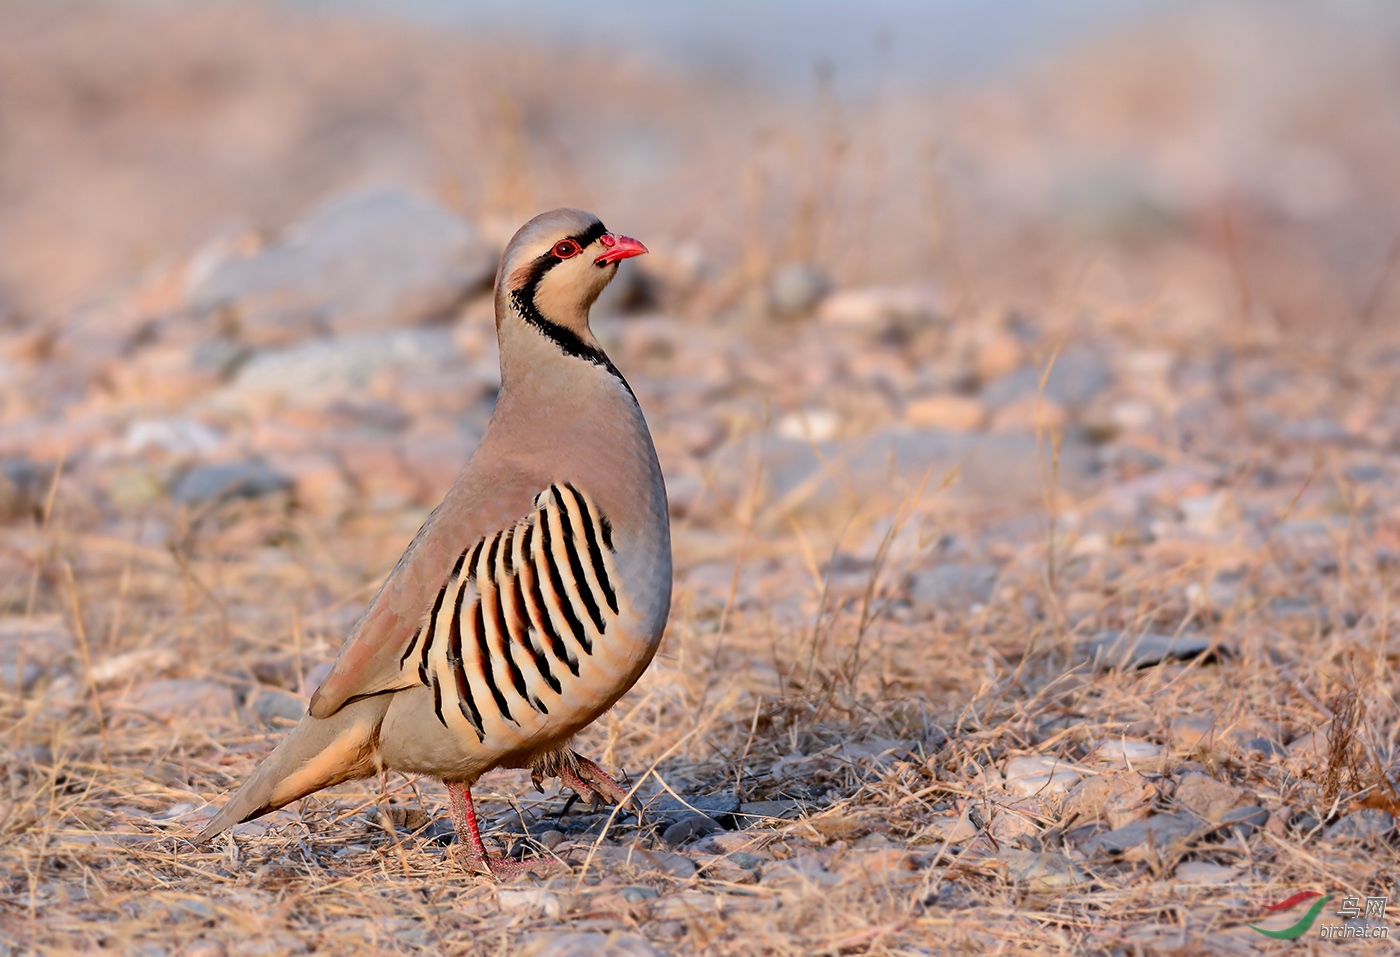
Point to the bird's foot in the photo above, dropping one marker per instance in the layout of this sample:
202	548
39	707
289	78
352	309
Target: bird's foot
506	869
592	782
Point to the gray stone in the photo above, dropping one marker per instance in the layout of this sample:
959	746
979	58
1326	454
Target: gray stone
636	893
586	944
1367	825
30	649
1159	832
180	699
674	865
804	868
1264	747
1209	798
1077	377
989	467
23	488
797	289
953	586
745	860
1041	872
366	262
711	805
228	480
1129	650
689	828
756	812
319	372
1244	821
273	704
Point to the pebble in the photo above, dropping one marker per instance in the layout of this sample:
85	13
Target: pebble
1209	798
369	261
31	648
882	308
1077	377
1117	799
1128	650
797	289
1141	839
673	865
800	869
23	488
711	805
757	812
689	828
586	944
533	899
1041	872
273	705
1038	774
1128	753
727	842
1368	825
228	480
636	893
182	699
729	868
955	412
953	587
1204	872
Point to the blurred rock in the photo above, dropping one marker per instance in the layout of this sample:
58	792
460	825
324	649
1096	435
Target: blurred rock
317	373
1204	872
1030	413
587	944
179	699
1038	774
1141	840
359	264
1041	873
23	489
142	663
1209	798
32	648
667	808
953	587
1366	826
953	412
1128	753
272	705
1077	377
689	828
228	480
882	308
797	289
1126	650
997	469
1115	799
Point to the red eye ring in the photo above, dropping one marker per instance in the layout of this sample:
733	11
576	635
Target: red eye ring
566	249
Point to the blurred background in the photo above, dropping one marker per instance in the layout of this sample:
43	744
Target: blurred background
245	250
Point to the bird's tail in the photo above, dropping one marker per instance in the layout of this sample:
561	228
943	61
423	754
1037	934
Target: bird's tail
318	753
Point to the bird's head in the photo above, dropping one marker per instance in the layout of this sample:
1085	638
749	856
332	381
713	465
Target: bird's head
556	266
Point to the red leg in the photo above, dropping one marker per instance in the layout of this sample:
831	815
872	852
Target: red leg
469	836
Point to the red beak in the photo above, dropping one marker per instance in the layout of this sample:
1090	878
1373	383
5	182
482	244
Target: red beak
618	248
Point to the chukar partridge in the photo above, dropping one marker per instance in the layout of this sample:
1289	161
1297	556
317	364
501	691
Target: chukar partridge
535	594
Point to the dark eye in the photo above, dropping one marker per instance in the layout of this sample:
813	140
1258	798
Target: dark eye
566	248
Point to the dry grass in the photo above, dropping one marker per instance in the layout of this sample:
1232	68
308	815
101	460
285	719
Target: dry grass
890	730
